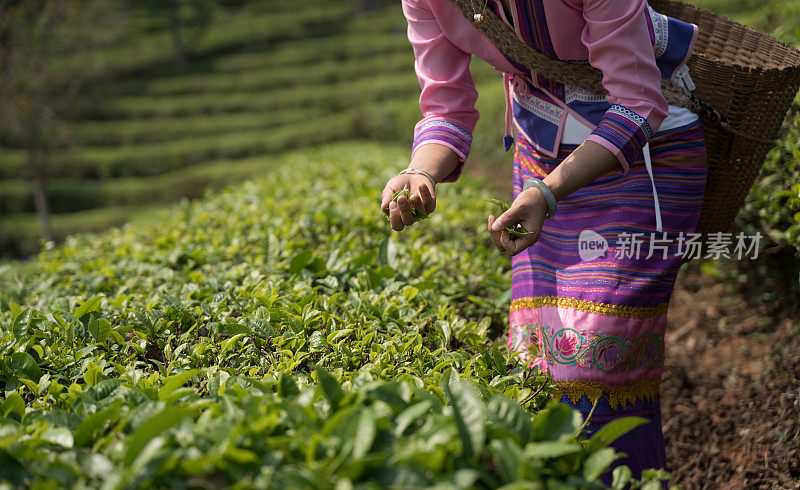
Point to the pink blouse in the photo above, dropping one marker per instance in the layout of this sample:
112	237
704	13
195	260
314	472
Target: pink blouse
611	34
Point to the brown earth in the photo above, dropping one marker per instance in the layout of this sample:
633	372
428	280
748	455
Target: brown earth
731	389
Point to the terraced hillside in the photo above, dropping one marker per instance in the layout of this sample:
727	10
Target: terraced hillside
265	80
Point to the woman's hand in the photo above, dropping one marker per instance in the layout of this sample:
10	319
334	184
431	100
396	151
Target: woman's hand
529	210
585	164
423	197
437	160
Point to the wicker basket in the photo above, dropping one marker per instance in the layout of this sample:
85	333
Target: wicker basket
751	79
746	76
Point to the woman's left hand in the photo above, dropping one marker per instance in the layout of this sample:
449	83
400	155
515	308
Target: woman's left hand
529	210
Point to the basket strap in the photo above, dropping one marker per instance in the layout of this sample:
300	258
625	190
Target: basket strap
583	76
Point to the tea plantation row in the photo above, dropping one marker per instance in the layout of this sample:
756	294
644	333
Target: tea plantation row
148	132
280	335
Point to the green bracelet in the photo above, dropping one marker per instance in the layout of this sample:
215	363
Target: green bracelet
546	192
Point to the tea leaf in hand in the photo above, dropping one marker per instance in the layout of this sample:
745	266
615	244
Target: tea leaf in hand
418	213
503	205
517	231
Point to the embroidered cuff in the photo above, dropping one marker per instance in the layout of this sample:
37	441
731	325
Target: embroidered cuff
444	133
624	133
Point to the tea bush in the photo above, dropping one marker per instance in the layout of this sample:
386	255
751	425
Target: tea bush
279	334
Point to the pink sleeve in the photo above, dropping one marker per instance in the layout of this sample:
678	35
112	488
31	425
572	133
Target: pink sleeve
618	41
448	95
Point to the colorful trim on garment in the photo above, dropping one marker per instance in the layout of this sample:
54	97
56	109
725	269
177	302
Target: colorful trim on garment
626	130
617	396
673	41
623	311
594	349
572	94
659	32
547	111
446	133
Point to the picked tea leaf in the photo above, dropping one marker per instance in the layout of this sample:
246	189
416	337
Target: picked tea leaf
517	231
418	213
503	205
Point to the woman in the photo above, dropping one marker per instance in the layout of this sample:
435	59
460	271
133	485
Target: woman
590	284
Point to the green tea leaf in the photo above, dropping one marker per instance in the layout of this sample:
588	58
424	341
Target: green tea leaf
23	366
418	213
597	463
271	248
152	427
330	387
409	415
58	435
100	329
504	206
172	383
387	254
92	374
21	322
363	259
551	449
286	386
300	261
410	292
469	416
511	416
555	422
92	304
229	344
365	433
316	341
95	421
621	477
652	474
509	456
13	404
516	233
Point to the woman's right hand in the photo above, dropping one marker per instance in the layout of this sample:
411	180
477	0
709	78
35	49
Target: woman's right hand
423	196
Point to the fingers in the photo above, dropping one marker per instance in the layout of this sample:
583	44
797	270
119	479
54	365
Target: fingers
401	211
395	220
428	199
501	238
495	236
416	202
406	213
505	244
515	246
400	214
386	197
508	244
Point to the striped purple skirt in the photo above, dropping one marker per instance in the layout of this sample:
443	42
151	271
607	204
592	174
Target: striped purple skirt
589	303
